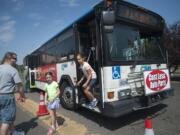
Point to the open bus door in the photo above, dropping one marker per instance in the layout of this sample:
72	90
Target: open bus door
32	77
88	46
88	38
32	61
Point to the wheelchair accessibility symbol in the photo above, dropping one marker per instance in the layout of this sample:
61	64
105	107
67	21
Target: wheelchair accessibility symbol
116	72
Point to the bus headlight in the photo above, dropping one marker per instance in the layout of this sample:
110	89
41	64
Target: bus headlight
124	93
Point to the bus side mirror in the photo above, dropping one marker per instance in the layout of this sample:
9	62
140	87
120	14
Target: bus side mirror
108	18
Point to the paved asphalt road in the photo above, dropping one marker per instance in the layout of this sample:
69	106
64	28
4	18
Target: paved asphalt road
165	117
29	124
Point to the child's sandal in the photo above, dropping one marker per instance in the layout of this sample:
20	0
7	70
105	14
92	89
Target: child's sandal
50	131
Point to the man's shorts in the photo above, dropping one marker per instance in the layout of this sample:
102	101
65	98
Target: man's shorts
7	109
92	83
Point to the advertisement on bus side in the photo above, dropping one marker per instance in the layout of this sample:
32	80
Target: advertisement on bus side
41	71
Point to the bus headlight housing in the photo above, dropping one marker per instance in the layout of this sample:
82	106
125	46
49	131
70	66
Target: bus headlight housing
124	94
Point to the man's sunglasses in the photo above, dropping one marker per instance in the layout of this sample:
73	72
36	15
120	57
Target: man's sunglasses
15	59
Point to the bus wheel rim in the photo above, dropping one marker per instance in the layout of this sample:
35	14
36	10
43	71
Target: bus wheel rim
68	95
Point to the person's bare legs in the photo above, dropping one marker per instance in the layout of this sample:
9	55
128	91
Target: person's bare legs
4	129
53	118
11	128
88	94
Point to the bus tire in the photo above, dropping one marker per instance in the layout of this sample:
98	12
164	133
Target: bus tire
67	96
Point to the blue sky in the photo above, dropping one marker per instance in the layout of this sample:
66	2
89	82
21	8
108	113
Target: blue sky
27	24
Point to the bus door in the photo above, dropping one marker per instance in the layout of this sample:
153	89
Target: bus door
32	78
88	46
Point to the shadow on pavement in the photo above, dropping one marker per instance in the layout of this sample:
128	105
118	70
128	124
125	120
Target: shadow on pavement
28	125
60	120
32	123
129	119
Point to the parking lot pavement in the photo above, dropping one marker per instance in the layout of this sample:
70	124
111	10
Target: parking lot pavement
29	124
165	118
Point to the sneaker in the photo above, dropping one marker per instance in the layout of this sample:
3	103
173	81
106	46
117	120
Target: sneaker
18	133
90	105
93	103
21	133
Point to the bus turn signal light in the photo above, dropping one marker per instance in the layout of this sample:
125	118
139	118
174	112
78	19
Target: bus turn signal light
110	95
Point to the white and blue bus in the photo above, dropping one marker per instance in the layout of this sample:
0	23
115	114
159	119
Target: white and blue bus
123	43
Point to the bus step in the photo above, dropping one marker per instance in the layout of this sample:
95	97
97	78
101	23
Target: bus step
82	101
96	109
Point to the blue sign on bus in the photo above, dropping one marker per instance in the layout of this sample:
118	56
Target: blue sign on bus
116	72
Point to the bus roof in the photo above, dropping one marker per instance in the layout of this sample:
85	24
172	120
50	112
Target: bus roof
90	12
67	27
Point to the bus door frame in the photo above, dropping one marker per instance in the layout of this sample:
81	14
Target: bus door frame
32	80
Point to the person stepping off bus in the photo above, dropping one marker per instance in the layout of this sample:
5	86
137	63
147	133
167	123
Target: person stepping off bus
91	78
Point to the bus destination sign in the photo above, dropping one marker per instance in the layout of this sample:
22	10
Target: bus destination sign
138	15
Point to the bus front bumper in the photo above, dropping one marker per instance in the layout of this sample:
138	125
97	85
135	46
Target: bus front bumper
122	107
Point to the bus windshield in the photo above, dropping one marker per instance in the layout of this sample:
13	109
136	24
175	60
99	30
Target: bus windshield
126	43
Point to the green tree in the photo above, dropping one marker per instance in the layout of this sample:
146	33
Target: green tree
20	69
172	44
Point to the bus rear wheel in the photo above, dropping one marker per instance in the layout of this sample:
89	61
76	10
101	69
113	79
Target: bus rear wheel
67	96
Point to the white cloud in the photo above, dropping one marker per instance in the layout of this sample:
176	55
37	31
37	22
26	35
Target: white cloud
5	18
58	22
7	29
19	4
69	3
36	16
36	24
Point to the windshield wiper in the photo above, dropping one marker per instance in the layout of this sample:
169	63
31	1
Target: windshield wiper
162	53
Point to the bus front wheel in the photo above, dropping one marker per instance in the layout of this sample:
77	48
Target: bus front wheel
67	96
